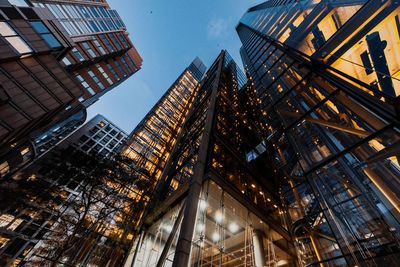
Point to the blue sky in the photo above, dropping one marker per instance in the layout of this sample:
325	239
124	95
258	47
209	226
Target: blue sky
168	34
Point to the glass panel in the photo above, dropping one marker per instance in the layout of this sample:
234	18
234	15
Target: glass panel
228	234
51	40
39	27
18	3
19	44
6	30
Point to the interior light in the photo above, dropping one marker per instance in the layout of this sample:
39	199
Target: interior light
233	228
167	228
203	205
201	227
219	216
215	237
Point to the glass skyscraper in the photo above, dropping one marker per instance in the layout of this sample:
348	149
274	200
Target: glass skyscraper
325	73
293	162
58	58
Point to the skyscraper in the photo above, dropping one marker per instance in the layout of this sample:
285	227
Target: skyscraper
151	142
326	77
216	206
87	200
103	55
57	59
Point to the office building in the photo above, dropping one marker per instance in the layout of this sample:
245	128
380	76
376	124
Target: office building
83	185
56	60
97	136
151	142
35	87
325	73
103	55
213	205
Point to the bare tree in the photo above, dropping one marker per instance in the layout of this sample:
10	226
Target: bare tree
92	207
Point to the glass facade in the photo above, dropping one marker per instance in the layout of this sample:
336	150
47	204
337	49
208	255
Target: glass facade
229	212
98	136
152	141
85	18
332	126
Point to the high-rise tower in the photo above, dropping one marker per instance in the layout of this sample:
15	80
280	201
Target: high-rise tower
82	204
325	73
214	205
57	59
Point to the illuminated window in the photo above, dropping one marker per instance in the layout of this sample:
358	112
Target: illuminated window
25	151
4	168
42	29
14	39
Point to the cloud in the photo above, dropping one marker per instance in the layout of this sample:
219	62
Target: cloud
217	28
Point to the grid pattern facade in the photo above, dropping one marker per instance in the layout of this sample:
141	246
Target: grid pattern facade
333	132
214	206
49	73
98	136
151	143
103	56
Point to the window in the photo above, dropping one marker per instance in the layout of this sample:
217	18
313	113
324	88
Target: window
66	61
83	139
126	64
4	168
115	41
89	49
46	34
120	68
18	3
85	84
99	47
105	75
78	54
123	40
96	80
107	42
13	38
110	67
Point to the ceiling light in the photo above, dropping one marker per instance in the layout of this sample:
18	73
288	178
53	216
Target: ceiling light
201	227
215	237
233	228
219	216
203	205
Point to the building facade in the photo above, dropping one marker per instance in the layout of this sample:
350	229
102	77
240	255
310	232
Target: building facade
88	199
214	205
97	136
56	60
151	142
35	88
325	73
103	55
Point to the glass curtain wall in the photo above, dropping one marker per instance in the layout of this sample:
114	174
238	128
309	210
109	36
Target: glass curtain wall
334	147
